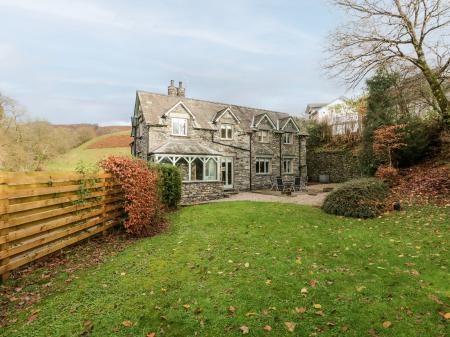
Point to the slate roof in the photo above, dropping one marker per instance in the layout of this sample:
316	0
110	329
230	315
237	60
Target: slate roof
184	147
155	105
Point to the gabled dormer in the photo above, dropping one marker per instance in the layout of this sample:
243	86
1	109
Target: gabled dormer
288	125
264	122
226	115
178	118
225	121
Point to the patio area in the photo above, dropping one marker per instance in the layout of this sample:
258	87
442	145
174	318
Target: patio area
314	196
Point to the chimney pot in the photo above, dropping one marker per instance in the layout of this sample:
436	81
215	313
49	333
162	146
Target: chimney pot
181	91
171	89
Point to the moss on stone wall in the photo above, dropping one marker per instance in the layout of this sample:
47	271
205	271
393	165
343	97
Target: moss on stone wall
341	165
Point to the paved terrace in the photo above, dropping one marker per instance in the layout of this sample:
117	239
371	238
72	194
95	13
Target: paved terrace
313	197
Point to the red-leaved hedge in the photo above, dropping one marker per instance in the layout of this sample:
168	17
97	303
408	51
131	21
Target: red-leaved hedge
140	187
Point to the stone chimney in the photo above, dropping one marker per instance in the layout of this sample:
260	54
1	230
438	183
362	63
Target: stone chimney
181	91
172	90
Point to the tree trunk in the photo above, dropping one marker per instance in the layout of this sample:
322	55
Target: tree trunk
437	89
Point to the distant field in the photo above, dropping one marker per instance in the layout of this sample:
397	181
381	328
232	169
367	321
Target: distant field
111	141
87	154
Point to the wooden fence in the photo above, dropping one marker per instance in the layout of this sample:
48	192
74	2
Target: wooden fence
41	213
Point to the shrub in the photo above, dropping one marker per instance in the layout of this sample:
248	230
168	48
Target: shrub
387	173
421	137
169	184
319	133
361	198
140	186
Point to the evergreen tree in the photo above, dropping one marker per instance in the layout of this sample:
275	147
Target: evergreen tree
381	110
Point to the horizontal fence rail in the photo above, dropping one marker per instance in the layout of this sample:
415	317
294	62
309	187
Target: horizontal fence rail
41	213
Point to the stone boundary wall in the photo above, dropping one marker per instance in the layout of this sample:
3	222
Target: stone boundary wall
200	191
339	165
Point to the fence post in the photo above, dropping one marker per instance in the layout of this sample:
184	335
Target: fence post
104	204
4	202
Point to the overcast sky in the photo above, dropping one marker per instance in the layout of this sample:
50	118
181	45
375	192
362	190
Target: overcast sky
82	61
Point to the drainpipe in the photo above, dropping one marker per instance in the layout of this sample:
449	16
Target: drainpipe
299	156
280	152
250	159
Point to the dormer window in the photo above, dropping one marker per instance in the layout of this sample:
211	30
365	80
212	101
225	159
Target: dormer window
287	138
263	136
226	131
179	126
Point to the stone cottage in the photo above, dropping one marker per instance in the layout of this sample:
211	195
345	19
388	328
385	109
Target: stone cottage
218	147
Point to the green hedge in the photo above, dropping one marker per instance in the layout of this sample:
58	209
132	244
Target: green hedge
361	198
169	181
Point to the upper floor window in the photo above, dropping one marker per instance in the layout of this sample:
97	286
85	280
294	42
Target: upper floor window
287	138
226	131
179	126
263	136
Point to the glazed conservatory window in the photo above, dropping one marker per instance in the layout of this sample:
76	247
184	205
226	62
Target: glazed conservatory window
179	126
262	166
226	131
210	170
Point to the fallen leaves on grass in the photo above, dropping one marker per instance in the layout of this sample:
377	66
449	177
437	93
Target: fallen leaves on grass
88	326
244	329
312	283
317	306
34	316
15	299
290	326
387	324
268	282
127	323
151	334
267	328
300	310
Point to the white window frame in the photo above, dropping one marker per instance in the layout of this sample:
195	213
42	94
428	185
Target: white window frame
228	129
290	140
261	137
264	164
185	126
288	168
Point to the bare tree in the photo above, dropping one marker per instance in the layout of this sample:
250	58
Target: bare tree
395	34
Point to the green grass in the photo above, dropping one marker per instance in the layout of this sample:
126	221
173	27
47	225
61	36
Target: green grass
69	160
393	268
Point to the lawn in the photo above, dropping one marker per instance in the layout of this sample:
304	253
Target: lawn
223	268
69	160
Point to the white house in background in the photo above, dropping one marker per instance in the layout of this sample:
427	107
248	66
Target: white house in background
339	114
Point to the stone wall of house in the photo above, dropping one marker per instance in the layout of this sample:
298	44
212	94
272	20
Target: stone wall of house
237	148
195	192
339	165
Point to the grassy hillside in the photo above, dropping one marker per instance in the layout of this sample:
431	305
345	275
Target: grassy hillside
69	160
